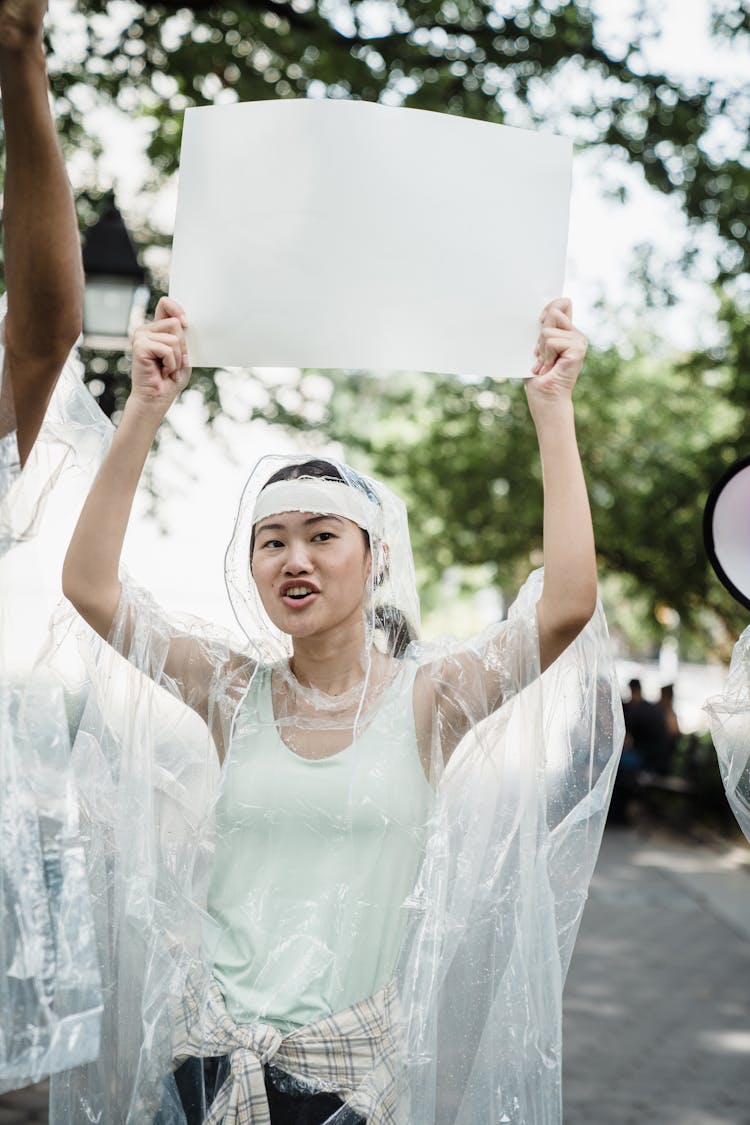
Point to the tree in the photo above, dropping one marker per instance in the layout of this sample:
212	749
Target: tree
497	62
654	435
514	62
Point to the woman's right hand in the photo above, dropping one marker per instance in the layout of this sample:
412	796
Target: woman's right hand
160	368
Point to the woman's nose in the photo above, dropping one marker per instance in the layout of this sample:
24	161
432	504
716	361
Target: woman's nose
297	558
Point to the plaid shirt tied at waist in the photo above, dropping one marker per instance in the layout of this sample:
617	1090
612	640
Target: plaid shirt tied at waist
352	1053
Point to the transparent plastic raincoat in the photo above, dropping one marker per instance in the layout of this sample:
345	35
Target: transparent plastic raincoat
375	897
50	997
729	717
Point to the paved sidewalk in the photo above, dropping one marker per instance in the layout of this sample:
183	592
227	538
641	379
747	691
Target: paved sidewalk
657	1003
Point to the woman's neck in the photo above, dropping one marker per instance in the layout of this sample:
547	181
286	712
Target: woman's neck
331	662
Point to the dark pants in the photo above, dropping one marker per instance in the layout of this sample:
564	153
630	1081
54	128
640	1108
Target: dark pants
286	1109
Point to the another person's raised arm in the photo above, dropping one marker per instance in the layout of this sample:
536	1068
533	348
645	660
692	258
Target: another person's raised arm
43	270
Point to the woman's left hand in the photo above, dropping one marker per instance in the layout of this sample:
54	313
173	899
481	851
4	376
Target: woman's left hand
559	352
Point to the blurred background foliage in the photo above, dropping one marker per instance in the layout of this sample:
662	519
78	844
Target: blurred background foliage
655	429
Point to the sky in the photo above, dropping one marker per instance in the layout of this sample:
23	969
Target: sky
184	566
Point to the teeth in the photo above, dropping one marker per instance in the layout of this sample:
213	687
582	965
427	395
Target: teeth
297	591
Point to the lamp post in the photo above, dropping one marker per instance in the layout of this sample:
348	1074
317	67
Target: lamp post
116	284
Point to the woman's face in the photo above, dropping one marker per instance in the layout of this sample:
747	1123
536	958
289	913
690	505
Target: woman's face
311	571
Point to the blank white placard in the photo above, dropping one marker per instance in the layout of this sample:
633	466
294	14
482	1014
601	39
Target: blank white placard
353	235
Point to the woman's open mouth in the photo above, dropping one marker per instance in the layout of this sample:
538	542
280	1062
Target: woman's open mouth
298	595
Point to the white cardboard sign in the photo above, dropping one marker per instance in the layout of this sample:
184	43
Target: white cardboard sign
353	235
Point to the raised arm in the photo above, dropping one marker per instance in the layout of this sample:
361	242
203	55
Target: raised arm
184	660
43	270
91	570
466	686
568	597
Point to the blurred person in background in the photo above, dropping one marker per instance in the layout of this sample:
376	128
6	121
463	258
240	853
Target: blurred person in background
645	732
672	727
645	750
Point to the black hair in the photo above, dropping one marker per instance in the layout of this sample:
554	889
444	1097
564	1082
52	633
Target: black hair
398	632
315	467
388	618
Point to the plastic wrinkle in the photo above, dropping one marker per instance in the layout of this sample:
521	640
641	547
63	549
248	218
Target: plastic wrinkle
436	826
50	989
729	719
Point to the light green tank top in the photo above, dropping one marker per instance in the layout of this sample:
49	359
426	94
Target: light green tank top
314	860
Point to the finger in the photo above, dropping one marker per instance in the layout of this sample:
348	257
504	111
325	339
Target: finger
168	307
570	337
557	347
556	318
562	363
166	324
556	353
556	342
182	376
165	356
182	372
169	330
564	304
169	357
176	340
573	337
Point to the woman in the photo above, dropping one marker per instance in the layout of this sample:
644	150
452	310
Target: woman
356	914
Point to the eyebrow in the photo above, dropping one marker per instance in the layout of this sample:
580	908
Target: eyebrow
306	523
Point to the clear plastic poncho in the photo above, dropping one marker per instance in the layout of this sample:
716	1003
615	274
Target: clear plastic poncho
411	857
729	717
50	996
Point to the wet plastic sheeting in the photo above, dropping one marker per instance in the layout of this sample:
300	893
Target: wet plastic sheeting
729	716
50	995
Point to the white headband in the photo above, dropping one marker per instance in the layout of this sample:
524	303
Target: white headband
317	495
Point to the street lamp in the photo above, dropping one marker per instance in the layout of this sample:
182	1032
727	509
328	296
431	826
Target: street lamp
116	288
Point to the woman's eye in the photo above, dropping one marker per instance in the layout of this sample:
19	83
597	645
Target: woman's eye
323	536
273	543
